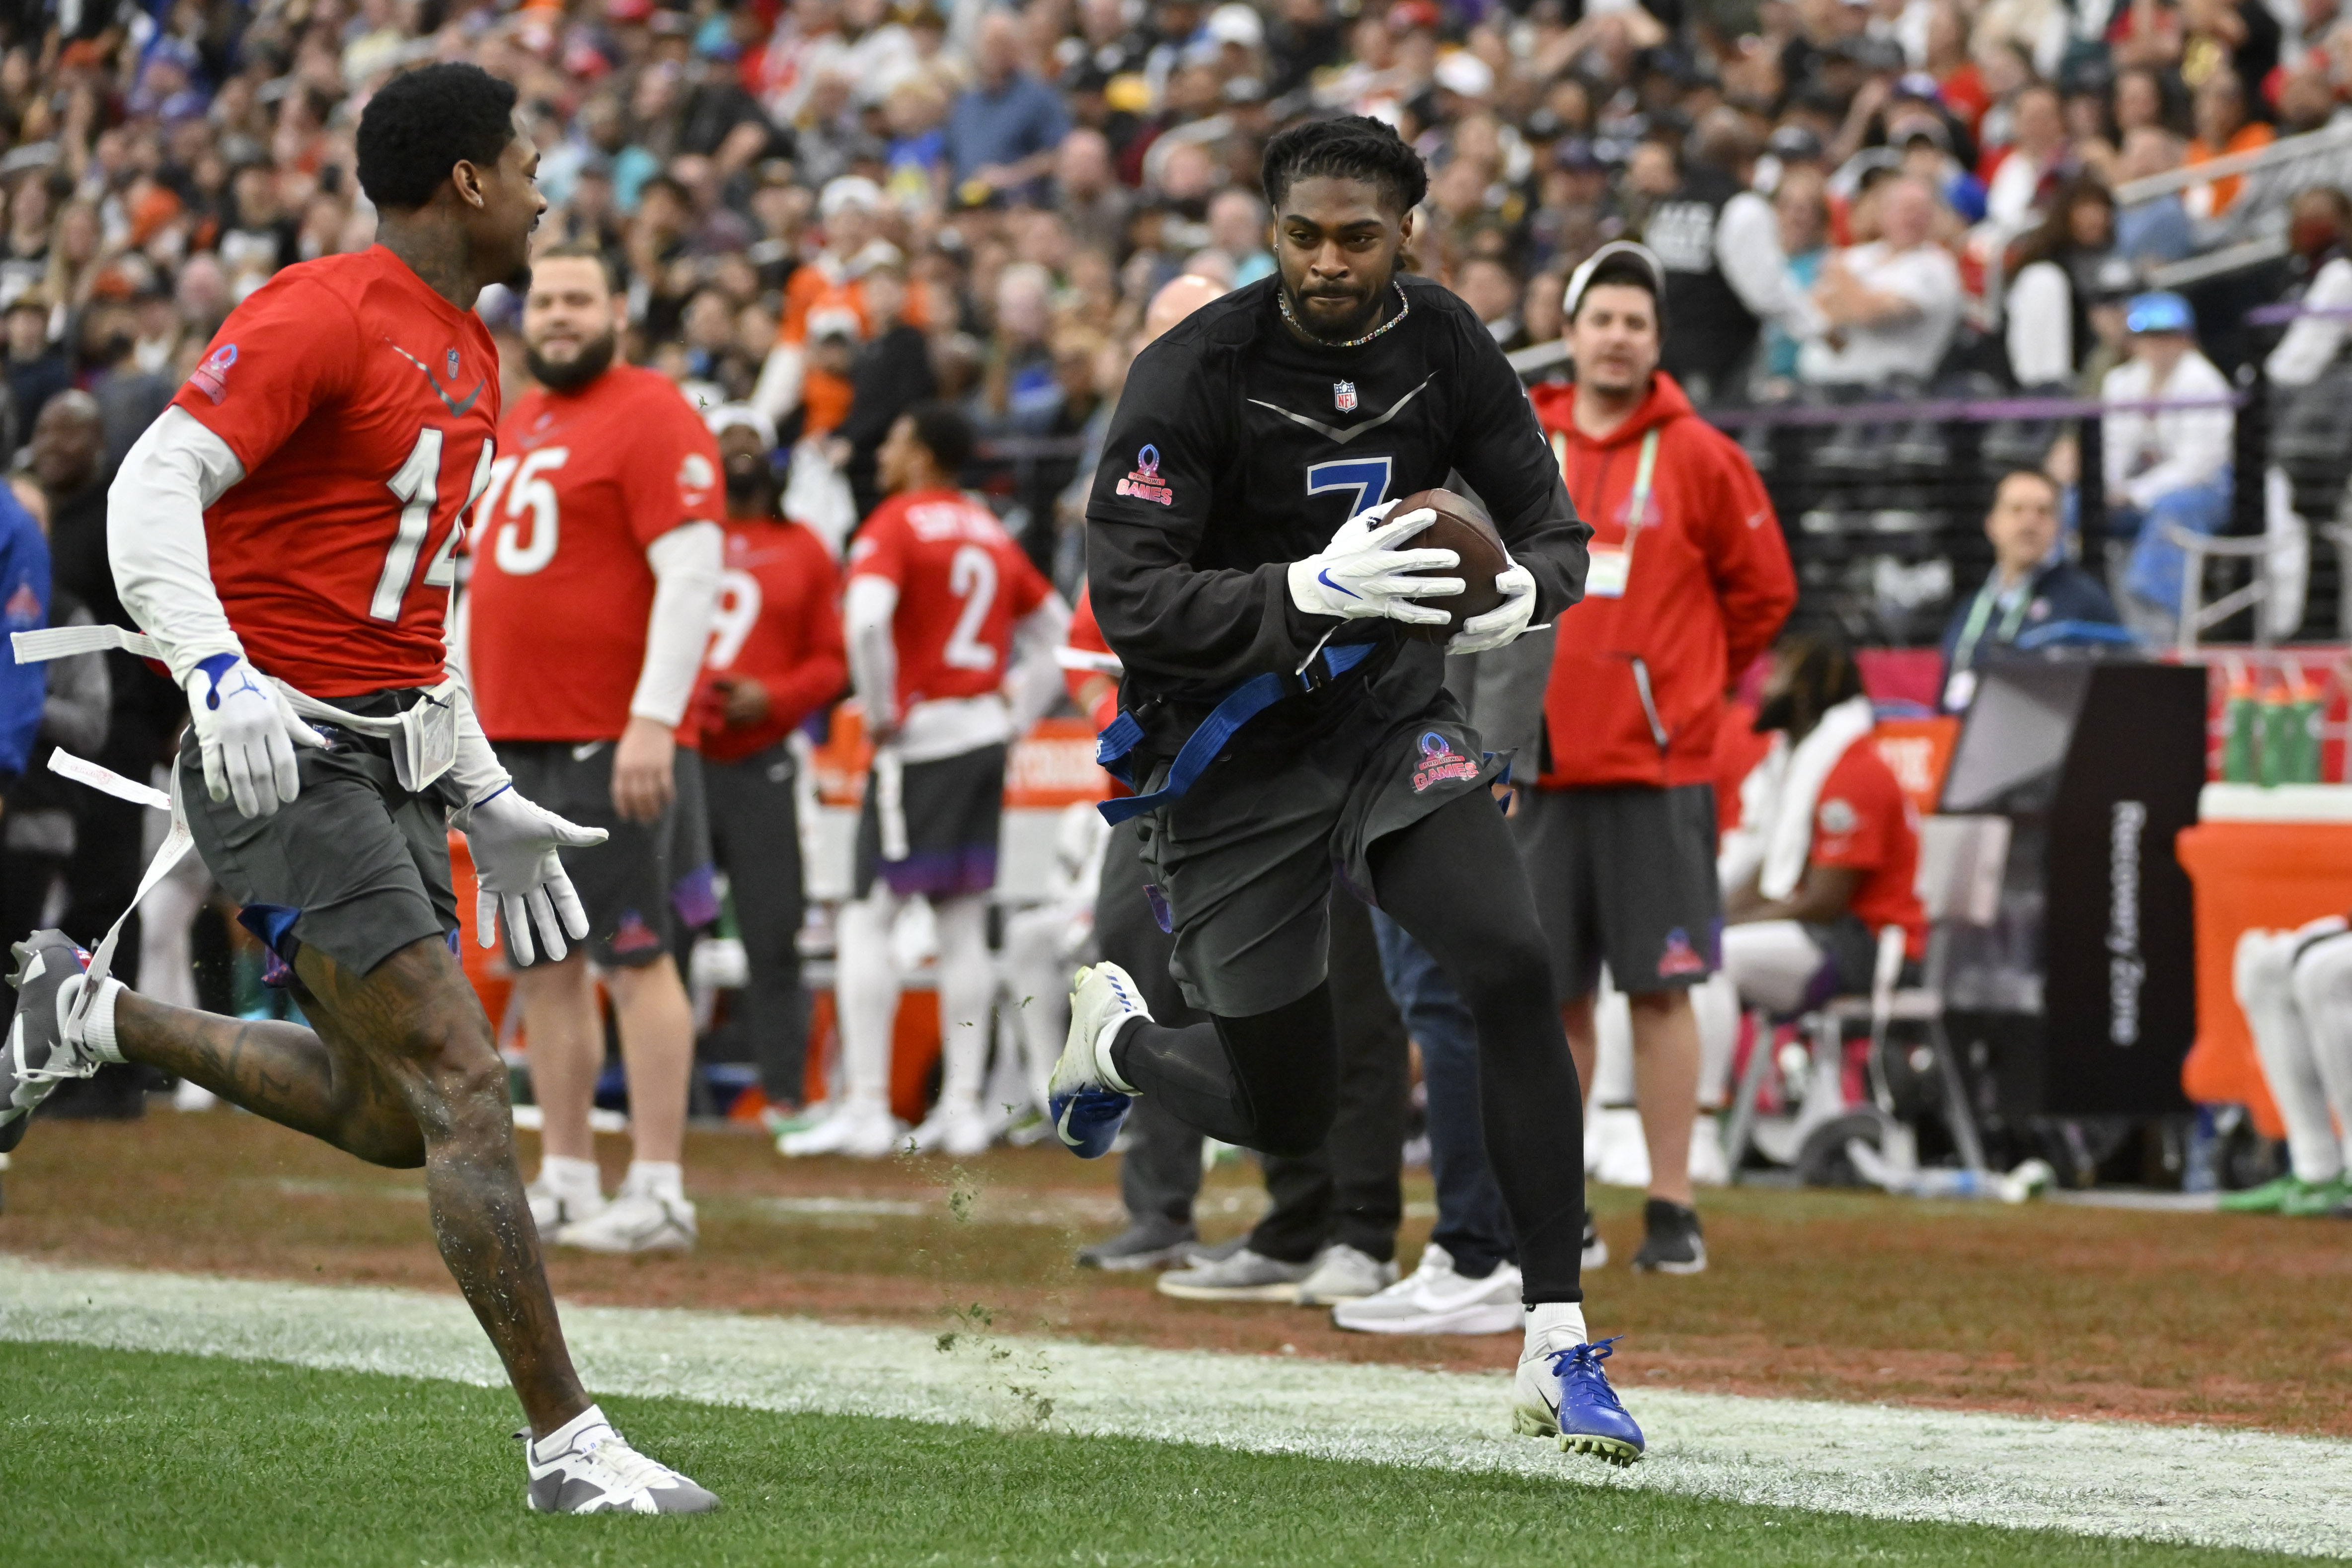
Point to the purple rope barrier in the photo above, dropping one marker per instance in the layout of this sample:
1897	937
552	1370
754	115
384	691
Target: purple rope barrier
1961	411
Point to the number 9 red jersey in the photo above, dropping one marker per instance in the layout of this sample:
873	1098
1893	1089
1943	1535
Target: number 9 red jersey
962	582
363	406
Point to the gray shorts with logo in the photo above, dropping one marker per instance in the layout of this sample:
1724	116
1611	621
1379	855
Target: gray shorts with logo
625	882
354	866
1244	859
1625	874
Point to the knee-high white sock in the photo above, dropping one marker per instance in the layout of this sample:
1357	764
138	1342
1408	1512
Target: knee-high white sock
967	985
1613	1055
867	987
1040	985
2265	991
2323	996
1716	1004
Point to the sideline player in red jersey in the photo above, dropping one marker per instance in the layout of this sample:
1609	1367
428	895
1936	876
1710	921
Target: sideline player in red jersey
775	657
938	595
285	532
594	575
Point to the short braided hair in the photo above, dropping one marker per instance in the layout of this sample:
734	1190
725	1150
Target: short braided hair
1351	147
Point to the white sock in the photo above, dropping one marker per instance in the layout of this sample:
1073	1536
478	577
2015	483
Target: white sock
1553	1326
563	1436
656	1178
97	1029
1103	1042
866	984
967	982
569	1178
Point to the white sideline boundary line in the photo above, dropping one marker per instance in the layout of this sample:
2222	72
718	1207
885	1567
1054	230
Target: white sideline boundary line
2190	1484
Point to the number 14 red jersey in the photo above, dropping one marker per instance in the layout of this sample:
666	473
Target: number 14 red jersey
362	406
962	583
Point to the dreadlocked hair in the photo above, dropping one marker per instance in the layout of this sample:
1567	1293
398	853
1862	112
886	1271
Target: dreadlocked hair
1352	147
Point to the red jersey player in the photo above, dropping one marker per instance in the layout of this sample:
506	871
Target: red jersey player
775	657
595	574
284	532
938	596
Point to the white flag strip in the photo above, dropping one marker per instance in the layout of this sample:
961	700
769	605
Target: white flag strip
65	641
67	764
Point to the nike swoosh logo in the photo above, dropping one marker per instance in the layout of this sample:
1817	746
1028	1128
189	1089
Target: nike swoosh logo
1353	431
582	753
1324	577
457	409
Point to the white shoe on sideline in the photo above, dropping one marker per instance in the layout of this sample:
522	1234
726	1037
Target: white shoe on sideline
553	1207
1707	1166
862	1129
1344	1273
635	1222
960	1132
1434	1298
595	1471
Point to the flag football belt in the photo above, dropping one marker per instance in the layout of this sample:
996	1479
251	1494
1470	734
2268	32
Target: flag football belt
1114	746
422	740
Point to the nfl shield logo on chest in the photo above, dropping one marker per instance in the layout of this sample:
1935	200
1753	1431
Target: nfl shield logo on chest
453	364
1343	396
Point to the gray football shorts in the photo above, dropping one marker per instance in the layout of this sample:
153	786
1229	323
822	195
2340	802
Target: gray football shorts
1243	862
1625	874
623	882
354	866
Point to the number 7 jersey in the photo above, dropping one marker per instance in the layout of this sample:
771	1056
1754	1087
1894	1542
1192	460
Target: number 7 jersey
962	583
362	407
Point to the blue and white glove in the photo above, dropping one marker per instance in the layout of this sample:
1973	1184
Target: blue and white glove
246	731
1359	575
514	846
1506	621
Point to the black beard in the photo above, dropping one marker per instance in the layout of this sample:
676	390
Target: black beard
750	494
595	357
1777	712
1354	327
518	281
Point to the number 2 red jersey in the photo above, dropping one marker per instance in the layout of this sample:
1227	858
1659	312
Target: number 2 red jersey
560	592
962	582
362	406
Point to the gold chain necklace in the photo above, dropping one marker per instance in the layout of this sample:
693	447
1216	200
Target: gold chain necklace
1404	309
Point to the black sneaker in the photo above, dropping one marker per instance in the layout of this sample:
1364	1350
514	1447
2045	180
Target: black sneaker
1154	1242
1596	1251
1671	1243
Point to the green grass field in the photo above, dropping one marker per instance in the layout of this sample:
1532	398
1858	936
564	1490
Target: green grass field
120	1458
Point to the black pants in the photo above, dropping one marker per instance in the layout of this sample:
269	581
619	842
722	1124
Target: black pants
1271	1080
755	838
1348	1189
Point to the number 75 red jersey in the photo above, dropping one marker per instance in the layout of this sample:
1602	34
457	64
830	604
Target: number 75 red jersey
962	583
362	407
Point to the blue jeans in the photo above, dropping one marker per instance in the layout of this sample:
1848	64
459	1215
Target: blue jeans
2154	574
1473	1225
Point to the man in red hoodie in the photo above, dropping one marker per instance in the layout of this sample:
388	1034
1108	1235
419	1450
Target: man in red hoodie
1689	582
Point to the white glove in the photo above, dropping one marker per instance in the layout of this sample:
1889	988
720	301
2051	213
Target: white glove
1358	575
247	732
1503	623
515	862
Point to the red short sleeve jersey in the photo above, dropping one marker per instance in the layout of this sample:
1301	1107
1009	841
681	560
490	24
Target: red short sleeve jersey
1864	821
561	589
962	582
778	623
362	406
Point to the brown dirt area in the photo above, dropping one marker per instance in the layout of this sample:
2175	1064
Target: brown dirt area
2046	1310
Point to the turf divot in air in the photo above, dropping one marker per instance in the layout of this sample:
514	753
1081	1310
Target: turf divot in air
2180	1484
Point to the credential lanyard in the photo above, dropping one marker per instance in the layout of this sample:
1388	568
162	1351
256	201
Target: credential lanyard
1980	611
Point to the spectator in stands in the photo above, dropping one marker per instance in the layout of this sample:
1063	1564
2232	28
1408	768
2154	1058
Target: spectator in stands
2064	263
2032	585
2025	173
1827	849
1690	578
2157	229
1003	133
2165	468
2224	129
38	370
2318	225
1087	193
1800	208
1891	304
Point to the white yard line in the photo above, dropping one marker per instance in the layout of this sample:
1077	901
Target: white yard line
2165	1483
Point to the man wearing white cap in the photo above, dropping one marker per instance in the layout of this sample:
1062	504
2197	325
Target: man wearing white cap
1689	582
848	207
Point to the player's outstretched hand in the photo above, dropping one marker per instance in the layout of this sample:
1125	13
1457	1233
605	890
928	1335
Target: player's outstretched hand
1360	573
246	732
1506	621
515	862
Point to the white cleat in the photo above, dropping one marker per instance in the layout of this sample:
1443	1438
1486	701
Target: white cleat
37	1054
960	1132
1083	1098
861	1129
585	1467
1434	1298
633	1222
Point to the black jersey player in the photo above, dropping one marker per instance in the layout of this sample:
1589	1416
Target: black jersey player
1249	569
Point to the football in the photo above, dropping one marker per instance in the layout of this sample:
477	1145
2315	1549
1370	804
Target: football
1463	527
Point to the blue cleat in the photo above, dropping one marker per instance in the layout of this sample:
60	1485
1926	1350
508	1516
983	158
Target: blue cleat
1085	1098
1591	1420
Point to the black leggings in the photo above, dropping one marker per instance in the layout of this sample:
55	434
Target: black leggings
1270	1081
